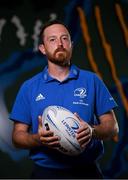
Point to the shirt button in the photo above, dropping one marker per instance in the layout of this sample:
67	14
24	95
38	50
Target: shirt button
45	77
74	71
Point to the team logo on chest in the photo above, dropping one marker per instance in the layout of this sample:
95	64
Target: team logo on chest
80	92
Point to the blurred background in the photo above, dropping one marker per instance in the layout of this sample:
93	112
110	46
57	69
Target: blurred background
99	31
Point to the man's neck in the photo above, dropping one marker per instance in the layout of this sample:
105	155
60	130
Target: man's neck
58	72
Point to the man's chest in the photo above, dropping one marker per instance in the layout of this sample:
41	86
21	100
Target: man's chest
76	97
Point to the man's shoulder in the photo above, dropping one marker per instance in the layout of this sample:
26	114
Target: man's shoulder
81	70
90	76
32	81
87	73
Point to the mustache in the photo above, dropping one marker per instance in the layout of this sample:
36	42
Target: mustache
60	49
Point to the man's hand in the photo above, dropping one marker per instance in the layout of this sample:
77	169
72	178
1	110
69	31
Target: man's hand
84	133
47	137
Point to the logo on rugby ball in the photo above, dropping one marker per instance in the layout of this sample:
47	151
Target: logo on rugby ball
71	125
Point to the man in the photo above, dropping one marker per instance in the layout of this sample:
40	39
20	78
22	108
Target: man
63	84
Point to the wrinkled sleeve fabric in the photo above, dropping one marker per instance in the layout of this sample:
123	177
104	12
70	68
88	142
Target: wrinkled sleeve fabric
103	99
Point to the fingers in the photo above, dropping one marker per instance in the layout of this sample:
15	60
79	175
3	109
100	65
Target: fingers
50	140
85	143
83	127
76	114
47	137
84	135
83	131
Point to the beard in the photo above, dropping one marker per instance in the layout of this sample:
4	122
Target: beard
60	57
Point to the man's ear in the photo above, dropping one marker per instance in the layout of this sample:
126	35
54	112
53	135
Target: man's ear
42	49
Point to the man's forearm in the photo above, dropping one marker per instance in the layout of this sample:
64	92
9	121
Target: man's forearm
25	140
108	127
104	132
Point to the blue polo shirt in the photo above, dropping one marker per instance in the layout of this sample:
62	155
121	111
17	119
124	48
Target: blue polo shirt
82	92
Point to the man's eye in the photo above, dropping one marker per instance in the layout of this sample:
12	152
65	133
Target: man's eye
52	40
65	38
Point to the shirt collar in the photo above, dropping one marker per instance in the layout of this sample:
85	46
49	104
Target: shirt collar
73	74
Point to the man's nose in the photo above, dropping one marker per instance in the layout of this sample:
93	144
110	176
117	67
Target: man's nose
60	43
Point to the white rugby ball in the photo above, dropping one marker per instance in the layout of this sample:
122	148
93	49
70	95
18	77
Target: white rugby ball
64	124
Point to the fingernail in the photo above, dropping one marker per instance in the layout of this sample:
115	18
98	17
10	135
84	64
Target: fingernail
59	138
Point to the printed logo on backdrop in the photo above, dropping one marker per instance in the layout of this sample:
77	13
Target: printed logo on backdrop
17	63
21	33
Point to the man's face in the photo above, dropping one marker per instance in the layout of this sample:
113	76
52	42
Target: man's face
57	45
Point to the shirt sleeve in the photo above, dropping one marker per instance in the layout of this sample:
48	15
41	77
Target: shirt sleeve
21	108
103	99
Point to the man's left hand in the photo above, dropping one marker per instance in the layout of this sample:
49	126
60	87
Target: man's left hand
84	133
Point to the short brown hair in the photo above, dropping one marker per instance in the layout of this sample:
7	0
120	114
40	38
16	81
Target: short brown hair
49	23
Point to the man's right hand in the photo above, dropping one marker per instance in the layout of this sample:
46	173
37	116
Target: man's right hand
47	137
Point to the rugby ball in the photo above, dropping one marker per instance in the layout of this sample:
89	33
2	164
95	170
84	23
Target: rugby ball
64	124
